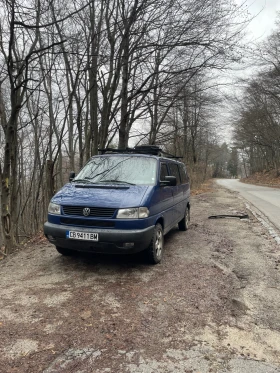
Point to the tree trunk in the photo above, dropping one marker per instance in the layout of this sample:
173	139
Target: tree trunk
49	179
8	198
123	129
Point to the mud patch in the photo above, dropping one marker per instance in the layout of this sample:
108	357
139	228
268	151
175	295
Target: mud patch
72	358
55	300
21	347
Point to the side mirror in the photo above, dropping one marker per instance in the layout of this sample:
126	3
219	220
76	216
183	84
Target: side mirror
71	175
169	181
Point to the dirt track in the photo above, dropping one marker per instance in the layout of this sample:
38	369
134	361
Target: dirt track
211	306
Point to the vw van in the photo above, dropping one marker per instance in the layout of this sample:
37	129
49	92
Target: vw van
122	201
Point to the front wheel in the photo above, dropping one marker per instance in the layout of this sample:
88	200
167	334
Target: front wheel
184	223
64	251
155	249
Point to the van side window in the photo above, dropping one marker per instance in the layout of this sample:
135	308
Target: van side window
183	174
173	167
163	171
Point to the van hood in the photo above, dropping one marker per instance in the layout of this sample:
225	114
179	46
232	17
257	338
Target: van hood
114	196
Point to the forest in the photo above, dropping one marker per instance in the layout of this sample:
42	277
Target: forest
79	76
256	121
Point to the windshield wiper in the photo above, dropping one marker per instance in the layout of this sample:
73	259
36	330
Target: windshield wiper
115	181
82	181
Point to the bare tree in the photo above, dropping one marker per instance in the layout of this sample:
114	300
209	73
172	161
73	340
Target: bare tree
79	76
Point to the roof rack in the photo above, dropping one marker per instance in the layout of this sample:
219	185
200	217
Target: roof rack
142	149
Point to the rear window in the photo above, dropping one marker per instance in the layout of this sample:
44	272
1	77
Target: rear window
183	174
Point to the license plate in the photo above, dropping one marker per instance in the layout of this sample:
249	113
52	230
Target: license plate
82	236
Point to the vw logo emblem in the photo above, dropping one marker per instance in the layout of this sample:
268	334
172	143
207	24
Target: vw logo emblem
86	211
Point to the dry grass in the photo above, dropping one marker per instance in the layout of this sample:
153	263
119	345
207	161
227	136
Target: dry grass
206	187
266	178
201	182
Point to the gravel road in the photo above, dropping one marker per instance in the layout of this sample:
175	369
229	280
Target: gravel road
212	305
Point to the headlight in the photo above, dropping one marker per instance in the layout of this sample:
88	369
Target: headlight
143	212
133	213
54	209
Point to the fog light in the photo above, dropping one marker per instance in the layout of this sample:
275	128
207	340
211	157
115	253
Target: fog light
51	238
128	245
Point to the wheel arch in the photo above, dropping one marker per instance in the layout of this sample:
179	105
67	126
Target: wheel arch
160	220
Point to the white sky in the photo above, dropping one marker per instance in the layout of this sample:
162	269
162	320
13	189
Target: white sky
265	12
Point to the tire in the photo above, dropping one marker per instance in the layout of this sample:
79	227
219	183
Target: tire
64	251
155	249
184	223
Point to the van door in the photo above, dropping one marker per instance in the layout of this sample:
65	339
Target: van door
166	199
185	181
179	206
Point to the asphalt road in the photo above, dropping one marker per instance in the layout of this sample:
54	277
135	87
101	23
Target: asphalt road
266	199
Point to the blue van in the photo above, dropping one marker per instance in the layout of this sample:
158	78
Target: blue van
122	201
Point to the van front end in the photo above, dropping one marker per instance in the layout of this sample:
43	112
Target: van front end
113	234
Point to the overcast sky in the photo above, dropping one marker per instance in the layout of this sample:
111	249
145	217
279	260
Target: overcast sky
265	12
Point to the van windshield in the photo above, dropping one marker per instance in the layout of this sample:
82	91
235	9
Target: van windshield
119	169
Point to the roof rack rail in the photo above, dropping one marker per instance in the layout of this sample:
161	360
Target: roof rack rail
149	149
155	150
141	149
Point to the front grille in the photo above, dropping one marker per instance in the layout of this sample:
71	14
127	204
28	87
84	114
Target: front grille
87	222
96	212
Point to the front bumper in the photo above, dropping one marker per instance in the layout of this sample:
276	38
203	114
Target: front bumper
114	241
